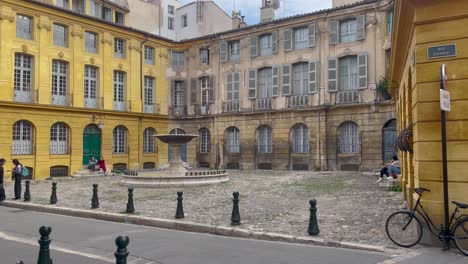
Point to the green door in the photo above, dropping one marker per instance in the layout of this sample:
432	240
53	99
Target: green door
91	143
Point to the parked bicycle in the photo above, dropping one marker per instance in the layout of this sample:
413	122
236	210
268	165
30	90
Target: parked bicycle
404	228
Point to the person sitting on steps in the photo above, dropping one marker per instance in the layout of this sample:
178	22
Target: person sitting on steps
92	163
391	170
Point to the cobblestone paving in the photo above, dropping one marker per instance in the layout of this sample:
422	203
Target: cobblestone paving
351	207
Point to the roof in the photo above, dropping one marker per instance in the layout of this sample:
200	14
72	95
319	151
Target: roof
119	3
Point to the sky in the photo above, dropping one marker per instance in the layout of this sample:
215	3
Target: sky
251	8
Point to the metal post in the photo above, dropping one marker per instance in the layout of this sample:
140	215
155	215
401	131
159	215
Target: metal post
27	192
235	216
95	199
53	196
443	122
180	208
121	253
44	242
130	207
313	229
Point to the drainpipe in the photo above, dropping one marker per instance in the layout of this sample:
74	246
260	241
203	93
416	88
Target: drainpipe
141	94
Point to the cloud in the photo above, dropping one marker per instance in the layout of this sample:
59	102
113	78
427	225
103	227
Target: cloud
251	8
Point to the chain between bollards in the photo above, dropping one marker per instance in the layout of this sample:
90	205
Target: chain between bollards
235	217
27	192
44	242
313	229
121	253
180	208
130	207
95	199
53	196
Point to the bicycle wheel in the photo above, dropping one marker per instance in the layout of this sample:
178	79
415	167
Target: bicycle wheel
404	228
460	236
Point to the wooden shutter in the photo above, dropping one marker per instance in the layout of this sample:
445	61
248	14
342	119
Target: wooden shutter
252	83
361	27
332	74
275	81
334	30
287	39
229	86
193	90
274	39
212	91
172	92
286	90
184	89
313	74
223	51
254	46
312	35
236	86
362	64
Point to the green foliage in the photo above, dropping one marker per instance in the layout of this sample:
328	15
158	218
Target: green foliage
396	188
382	88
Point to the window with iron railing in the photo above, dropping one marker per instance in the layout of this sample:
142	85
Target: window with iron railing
264	140
22	143
300	139
149	94
119	140
232	140
59	82
119	90
24	27
149	140
90	86
349	141
59	139
23	77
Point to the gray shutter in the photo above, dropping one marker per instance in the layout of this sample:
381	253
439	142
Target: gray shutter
287	39
312	28
313	70
332	74
236	91
252	83
362	64
274	39
361	27
253	46
223	51
333	28
286	79
184	88
172	91
212	91
275	76
230	86
193	91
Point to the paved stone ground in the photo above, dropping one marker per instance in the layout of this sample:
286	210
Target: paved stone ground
351	207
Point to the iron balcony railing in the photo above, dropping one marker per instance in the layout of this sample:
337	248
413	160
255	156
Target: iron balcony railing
123	106
202	109
232	149
59	148
97	103
348	97
178	111
231	106
62	99
22	147
262	104
298	101
31	96
151	108
300	148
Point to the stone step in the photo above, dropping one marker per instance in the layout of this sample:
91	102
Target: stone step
84	173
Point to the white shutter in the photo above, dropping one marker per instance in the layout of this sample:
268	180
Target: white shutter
286	90
275	77
333	35
252	83
362	64
332	74
236	86
287	39
230	86
312	28
313	76
361	27
254	46
223	51
274	37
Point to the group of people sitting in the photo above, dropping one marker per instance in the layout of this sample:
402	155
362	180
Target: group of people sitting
97	165
390	170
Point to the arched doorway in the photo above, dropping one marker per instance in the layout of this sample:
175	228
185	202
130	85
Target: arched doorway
91	143
183	148
389	137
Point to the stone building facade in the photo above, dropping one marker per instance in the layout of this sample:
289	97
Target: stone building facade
293	93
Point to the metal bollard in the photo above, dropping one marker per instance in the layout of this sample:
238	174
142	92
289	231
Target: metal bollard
121	253
53	196
95	199
27	192
130	207
313	229
44	242
180	208
235	217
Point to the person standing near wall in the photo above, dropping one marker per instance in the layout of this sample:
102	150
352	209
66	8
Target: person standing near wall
16	171
2	191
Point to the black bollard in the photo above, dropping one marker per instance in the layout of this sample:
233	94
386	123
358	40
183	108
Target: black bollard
121	253
235	217
53	196
180	208
27	192
130	207
95	199
313	229
44	242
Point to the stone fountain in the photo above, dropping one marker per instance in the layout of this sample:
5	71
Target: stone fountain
177	174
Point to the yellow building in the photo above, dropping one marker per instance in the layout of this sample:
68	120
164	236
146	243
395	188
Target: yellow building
73	86
426	35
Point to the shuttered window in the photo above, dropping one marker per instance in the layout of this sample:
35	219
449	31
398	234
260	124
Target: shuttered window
300	139
24	27
58	139
232	140
265	83
149	55
234	50
149	140
266	45
205	90
301	78
91	42
264	140
390	21
60	35
348	30
301	38
233	86
119	140
348	70
349	141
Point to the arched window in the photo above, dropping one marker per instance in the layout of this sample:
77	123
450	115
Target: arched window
349	141
148	140
177	131
232	140
204	140
22	143
264	140
120	140
300	139
58	139
301	78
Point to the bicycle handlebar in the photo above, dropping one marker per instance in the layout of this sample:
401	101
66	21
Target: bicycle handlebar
421	190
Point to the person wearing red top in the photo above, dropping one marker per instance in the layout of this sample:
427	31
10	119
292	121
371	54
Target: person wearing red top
102	165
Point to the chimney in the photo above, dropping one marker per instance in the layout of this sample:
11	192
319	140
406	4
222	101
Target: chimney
267	11
237	20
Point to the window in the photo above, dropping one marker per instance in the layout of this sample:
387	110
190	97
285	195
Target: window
119	90
301	78
22	143
233	85
184	20
265	83
58	139
390	21
148	140
107	14
63	4
24	27
119	48
264	140
23	77
149	91
204	141
79	6
90	86
300	138
348	71
234	50
349	141
204	56
205	90
94	9
348	30
178	95
119	18
120	140
91	42
232	140
60	35
178	59
265	45
301	38
170	23
59	82
149	55
170	9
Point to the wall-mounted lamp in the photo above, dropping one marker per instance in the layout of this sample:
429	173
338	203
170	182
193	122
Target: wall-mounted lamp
98	118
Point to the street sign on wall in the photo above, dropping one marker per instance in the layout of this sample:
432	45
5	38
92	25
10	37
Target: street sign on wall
442	51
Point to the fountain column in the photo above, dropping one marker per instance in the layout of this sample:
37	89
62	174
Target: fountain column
176	166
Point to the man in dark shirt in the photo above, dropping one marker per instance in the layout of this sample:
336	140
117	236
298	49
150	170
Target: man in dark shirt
2	191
